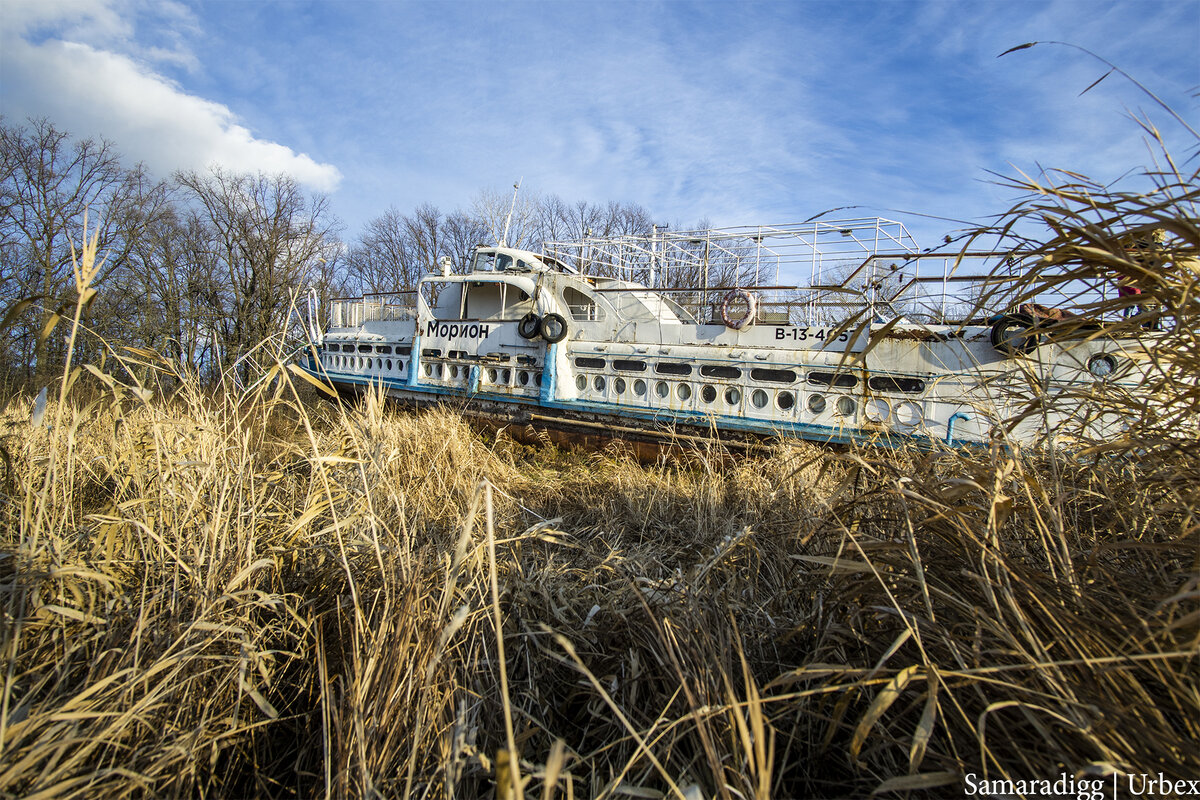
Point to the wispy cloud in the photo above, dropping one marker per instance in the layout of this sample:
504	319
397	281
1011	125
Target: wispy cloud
47	69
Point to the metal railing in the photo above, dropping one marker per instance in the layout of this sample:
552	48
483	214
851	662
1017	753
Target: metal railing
350	312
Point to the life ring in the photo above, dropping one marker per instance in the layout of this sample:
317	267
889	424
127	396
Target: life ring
553	328
1013	334
738	323
529	325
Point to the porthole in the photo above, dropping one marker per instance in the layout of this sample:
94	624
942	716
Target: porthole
491	376
523	378
389	365
720	371
816	403
846	406
908	414
630	366
1101	366
537	379
668	368
454	371
428	370
662	389
438	370
684	392
832	379
877	410
708	394
589	363
732	396
773	375
785	401
598	383
506	376
759	399
581	383
887	383
639	387
619	386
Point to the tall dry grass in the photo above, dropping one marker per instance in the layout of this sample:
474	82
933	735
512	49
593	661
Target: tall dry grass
250	595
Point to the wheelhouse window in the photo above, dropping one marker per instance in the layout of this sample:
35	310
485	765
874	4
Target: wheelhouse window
493	300
485	261
583	307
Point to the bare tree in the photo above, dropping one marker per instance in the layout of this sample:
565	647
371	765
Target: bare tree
267	240
47	183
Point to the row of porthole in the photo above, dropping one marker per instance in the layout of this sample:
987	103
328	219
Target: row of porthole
490	375
844	405
905	414
353	362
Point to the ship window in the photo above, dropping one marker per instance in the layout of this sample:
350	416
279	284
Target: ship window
668	368
683	392
503	261
708	393
816	403
846	406
365	348
582	306
431	353
885	384
785	401
718	371
589	363
773	375
485	261
404	350
493	300
444	298
386	349
347	348
630	366
832	379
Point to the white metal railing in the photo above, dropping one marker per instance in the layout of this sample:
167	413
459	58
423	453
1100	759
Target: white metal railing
348	312
809	252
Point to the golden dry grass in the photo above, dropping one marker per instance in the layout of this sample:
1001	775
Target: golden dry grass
251	598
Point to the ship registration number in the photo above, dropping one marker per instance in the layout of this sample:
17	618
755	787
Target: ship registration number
820	335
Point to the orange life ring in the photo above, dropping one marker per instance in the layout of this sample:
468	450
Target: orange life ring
738	323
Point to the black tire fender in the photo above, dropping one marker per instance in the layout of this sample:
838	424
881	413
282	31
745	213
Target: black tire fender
553	328
529	326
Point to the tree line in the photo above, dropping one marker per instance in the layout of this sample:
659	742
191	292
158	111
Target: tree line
204	265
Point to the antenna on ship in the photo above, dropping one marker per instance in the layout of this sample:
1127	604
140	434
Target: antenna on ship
511	208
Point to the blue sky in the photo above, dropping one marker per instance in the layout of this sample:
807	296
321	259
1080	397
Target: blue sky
734	112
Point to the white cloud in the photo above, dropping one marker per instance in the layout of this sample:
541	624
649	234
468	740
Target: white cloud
99	92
